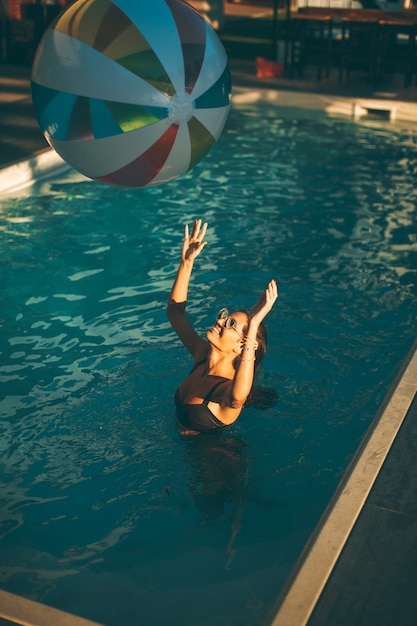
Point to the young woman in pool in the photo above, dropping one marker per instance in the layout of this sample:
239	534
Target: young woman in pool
214	393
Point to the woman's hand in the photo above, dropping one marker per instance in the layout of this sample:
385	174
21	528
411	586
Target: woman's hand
265	303
193	244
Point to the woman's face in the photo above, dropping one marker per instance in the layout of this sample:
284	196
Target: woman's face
229	330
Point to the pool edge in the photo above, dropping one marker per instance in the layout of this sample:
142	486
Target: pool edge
27	612
356	108
47	162
321	553
25	172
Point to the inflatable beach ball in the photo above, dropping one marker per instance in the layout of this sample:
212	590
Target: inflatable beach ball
131	92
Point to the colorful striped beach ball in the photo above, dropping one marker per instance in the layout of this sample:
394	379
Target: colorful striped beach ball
131	92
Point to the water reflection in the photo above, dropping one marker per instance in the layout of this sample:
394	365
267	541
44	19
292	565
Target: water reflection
217	468
218	477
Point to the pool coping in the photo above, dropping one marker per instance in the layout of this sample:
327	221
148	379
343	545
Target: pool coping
38	166
320	105
321	553
26	612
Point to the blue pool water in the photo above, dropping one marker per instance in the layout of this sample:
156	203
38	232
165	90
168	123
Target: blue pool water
104	511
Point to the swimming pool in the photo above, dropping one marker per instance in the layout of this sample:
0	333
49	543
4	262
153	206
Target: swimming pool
105	513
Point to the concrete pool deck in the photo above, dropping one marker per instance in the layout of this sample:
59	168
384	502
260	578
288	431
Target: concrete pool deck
360	566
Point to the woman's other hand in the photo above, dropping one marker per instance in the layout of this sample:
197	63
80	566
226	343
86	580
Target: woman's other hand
265	303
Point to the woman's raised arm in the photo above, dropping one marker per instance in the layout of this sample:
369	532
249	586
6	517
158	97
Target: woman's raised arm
243	379
192	246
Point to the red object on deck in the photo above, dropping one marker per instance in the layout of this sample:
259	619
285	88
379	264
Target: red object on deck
268	69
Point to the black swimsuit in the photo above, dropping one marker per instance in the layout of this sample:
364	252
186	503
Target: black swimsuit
198	417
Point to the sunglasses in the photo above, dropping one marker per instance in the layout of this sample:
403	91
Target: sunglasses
230	322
